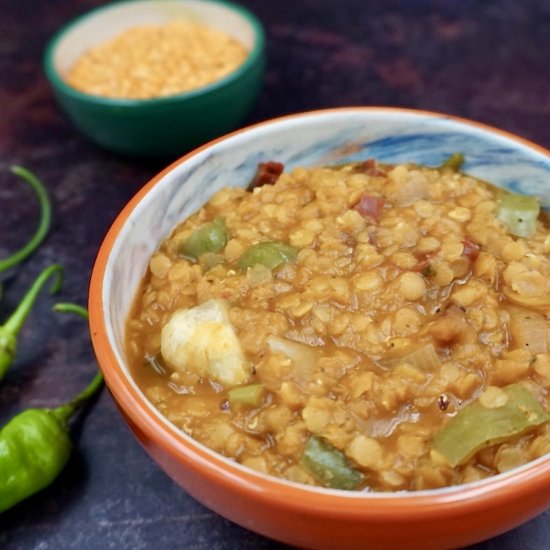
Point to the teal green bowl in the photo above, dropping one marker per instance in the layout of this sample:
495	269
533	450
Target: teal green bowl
165	126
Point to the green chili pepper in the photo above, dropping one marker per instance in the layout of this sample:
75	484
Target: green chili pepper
329	465
10	329
210	237
518	212
43	225
271	254
475	426
453	163
35	445
246	396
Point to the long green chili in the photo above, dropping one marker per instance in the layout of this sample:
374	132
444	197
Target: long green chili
43	224
10	329
35	445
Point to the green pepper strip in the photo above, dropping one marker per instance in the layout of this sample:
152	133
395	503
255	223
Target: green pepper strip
43	225
10	329
453	163
246	396
35	444
475	427
329	465
210	237
271	254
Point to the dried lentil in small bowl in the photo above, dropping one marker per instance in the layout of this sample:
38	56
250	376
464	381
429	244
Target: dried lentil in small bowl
149	61
154	78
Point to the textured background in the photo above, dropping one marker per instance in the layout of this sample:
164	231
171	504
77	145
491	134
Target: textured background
489	61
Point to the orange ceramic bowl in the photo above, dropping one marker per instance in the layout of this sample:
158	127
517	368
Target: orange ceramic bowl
297	514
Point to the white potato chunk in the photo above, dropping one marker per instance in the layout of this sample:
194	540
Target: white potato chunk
202	340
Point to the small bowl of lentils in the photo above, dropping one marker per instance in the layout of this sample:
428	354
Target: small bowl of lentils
155	78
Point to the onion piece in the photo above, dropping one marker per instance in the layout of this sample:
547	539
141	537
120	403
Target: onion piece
386	426
258	274
304	358
424	357
542	301
414	189
529	330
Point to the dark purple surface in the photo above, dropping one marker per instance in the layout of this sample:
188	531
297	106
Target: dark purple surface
489	61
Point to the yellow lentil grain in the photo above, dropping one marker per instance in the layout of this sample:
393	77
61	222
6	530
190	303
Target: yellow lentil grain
367	452
412	286
493	397
428	244
160	265
443	274
233	250
512	251
411	445
369	281
301	238
530	283
452	250
460	214
404	260
424	208
509	457
301	309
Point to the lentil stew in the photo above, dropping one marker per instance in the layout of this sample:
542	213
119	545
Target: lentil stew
364	326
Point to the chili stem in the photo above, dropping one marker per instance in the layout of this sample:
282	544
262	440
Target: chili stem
64	307
64	412
43	225
17	318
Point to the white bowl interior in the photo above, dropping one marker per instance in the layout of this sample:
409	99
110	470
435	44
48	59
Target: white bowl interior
109	21
335	136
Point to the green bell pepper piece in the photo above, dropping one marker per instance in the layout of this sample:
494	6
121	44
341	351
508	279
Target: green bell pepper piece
475	427
329	465
210	237
518	212
453	163
271	254
246	396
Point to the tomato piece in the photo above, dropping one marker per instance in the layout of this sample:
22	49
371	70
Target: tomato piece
268	173
370	207
471	250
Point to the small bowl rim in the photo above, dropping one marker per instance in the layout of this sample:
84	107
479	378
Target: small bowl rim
409	505
58	82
